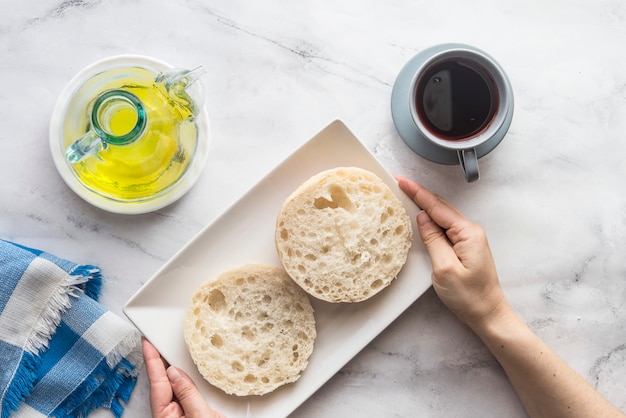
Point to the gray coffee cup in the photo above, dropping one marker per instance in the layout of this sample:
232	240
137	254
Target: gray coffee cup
452	104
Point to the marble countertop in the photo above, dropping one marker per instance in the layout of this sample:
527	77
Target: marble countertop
551	196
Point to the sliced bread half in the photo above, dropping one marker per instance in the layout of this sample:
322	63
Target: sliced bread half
250	330
343	235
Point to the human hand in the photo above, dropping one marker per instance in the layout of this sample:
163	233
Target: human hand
464	274
172	392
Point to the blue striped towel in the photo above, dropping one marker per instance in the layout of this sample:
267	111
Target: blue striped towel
61	353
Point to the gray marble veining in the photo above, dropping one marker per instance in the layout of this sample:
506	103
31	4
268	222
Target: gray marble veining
551	196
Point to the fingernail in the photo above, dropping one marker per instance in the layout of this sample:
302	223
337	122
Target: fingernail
173	374
423	218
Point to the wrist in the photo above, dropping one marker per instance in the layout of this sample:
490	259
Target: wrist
500	316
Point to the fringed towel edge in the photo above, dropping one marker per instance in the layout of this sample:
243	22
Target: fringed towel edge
110	383
21	385
77	280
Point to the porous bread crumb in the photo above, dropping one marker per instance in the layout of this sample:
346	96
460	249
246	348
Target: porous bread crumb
251	330
343	235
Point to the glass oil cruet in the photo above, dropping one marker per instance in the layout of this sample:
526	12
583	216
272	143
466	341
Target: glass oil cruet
130	133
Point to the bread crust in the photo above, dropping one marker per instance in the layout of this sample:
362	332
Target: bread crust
343	235
250	330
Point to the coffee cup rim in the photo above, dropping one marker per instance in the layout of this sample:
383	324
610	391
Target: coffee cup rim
498	77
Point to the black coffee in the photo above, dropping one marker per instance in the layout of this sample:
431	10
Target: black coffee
454	100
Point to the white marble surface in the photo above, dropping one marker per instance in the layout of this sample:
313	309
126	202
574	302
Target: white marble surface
551	195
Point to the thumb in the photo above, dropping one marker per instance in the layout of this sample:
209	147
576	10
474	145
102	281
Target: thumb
188	395
435	239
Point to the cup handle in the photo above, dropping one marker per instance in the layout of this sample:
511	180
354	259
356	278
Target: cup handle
469	164
83	147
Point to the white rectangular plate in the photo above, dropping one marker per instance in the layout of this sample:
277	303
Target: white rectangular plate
245	234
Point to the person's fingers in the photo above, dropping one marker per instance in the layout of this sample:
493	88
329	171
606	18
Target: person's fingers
189	396
441	253
161	394
440	211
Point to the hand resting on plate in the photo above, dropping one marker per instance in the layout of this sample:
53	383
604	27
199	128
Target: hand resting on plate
465	279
